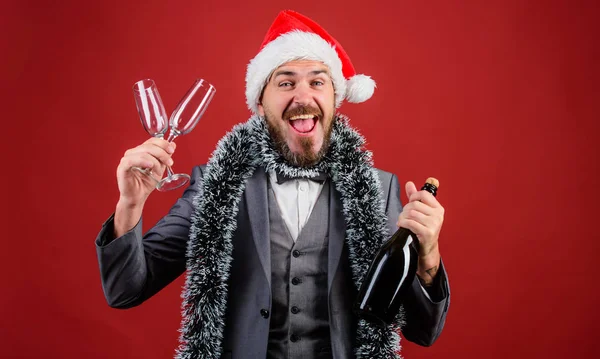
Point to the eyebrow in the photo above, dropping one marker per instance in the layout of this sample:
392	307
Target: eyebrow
292	73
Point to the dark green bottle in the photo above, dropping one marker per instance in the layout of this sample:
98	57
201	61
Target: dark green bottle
391	273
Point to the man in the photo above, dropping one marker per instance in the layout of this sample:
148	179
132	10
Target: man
278	230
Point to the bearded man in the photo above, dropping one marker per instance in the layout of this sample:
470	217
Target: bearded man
277	231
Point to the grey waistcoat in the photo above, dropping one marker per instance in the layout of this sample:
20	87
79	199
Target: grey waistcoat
299	325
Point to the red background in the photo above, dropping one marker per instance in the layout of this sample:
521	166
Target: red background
498	99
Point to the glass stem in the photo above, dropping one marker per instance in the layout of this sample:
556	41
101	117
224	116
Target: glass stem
169	171
172	136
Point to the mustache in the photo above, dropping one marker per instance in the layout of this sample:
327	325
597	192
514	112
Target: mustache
302	110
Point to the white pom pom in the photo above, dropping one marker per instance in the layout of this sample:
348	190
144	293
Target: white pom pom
359	88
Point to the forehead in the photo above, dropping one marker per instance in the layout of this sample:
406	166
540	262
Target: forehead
301	67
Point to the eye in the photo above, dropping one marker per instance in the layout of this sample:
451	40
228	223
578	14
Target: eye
318	83
285	84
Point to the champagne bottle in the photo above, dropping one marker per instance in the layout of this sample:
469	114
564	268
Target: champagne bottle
391	273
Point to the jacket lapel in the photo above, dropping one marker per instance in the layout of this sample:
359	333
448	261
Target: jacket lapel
337	229
258	213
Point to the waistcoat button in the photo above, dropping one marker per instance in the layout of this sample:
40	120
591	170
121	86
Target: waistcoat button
295	310
294	338
296	253
264	313
296	281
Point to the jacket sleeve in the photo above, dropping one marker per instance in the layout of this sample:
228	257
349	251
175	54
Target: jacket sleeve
425	309
134	267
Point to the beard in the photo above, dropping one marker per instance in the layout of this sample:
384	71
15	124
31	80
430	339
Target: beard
307	157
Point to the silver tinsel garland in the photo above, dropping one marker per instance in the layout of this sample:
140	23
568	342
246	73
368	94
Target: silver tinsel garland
209	253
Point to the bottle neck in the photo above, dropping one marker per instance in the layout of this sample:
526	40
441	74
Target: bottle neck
430	188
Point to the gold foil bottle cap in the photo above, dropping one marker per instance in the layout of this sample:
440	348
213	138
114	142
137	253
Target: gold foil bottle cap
433	181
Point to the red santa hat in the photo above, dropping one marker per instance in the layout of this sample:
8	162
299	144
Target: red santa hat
293	36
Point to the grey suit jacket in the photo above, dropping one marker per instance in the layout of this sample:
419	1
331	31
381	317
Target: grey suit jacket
134	267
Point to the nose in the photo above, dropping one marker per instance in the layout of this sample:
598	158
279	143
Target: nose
303	95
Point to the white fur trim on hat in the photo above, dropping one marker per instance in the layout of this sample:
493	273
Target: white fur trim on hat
360	88
296	45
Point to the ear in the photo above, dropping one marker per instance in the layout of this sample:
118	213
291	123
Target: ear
261	110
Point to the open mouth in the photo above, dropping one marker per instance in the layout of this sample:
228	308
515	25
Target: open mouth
304	124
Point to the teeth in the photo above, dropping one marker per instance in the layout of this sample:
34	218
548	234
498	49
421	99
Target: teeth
303	117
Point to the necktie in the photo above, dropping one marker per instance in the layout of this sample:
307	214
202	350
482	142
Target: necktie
319	178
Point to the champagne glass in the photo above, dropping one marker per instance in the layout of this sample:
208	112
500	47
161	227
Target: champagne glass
152	114
183	120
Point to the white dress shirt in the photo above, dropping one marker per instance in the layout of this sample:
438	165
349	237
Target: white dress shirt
295	199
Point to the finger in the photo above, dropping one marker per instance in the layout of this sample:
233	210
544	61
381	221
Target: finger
145	174
425	197
142	160
410	189
415	227
420	207
156	151
417	216
137	160
168	147
154	172
162	143
432	223
424	233
156	166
